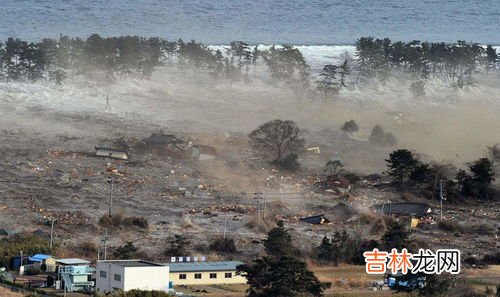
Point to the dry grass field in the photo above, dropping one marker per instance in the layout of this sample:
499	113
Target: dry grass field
8	293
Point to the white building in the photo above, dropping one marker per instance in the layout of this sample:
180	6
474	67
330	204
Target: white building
131	274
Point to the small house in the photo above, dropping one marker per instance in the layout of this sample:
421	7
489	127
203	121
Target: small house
41	234
203	152
42	259
42	262
111	153
39	262
315	220
127	275
7	232
419	210
74	274
342	211
205	273
166	144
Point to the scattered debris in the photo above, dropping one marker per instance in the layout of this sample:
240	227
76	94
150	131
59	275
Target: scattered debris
203	152
333	185
314	150
111	153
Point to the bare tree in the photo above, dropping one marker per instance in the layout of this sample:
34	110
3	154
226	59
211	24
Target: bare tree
494	155
277	139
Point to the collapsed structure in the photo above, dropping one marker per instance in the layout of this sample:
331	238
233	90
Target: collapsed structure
419	210
315	220
166	144
333	185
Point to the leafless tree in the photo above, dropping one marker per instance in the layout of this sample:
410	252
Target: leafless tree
277	139
494	155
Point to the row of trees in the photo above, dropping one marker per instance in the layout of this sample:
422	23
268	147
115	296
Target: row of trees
343	248
476	181
56	59
133	55
29	244
123	56
416	60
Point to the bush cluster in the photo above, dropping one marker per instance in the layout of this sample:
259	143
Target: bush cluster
120	220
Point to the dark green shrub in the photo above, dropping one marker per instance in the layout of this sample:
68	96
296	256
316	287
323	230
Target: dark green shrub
223	245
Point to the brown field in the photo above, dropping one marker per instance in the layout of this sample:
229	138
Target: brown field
350	280
479	279
8	293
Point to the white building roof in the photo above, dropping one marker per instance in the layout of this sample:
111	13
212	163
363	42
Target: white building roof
132	263
72	261
203	266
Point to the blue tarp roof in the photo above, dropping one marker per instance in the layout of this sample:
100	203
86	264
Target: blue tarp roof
39	257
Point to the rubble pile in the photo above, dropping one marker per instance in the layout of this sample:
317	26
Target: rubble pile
66	217
241	209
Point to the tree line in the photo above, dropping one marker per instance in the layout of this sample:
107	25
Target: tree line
456	63
123	56
407	170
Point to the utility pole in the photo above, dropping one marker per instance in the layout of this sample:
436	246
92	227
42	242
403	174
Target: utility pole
51	233
111	181
441	199
256	196
225	225
21	261
258	208
108	106
105	241
265	206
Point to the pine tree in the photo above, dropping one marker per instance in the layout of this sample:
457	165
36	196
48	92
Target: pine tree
325	251
396	237
279	242
328	84
280	274
400	164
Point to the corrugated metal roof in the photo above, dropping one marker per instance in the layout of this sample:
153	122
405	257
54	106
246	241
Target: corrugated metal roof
72	261
203	266
163	139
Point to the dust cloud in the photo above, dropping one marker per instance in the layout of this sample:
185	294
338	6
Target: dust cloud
446	124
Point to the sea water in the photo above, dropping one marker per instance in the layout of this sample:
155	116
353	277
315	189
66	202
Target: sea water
321	29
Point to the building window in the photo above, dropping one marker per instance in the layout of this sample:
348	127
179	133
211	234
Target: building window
213	275
197	275
182	276
102	274
118	277
228	275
